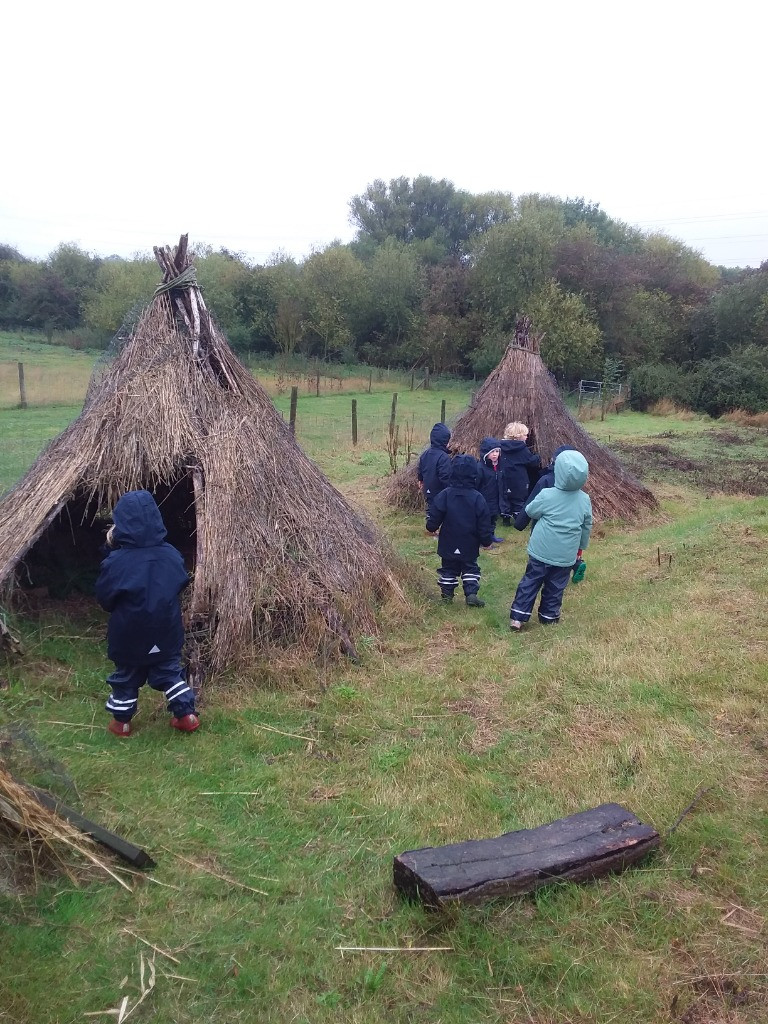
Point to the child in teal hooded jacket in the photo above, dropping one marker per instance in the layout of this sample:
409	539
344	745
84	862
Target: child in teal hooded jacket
563	515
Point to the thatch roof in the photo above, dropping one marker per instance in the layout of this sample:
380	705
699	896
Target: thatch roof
280	558
522	389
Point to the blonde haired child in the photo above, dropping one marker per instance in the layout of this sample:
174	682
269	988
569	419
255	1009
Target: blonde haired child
518	468
516	432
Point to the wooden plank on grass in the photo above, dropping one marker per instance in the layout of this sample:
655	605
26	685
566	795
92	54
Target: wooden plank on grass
133	854
575	849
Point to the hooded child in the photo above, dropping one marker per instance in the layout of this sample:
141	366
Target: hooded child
547	479
435	464
563	515
518	466
462	516
139	585
489	478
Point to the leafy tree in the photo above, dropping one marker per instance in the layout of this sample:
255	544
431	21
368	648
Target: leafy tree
391	313
434	215
514	260
572	345
333	280
120	286
276	304
223	277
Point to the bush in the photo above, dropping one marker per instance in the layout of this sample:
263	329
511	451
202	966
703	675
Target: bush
739	381
652	382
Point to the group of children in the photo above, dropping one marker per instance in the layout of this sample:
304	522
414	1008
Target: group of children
465	497
143	575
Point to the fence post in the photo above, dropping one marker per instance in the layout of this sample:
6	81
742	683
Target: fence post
426	379
317	384
442	411
412	378
354	421
393	414
22	388
294	401
370	381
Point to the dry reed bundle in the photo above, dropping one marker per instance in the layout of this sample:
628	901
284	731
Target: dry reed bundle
45	835
280	556
521	388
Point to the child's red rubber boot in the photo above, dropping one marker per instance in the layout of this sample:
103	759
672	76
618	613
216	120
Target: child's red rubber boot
188	723
119	728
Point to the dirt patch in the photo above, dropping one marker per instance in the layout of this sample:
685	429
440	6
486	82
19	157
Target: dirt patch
719	475
487	714
726	437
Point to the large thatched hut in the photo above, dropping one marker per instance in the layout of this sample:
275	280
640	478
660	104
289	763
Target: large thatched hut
521	388
280	558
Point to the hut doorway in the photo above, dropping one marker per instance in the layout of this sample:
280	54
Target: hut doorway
64	561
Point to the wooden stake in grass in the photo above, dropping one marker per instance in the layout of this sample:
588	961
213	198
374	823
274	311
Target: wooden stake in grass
22	388
354	421
292	414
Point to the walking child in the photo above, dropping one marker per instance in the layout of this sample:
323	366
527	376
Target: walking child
461	513
139	585
563	517
517	465
435	464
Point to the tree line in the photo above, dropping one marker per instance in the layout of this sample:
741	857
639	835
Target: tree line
436	276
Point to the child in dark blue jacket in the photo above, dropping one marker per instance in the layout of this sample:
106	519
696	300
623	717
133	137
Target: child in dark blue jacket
435	464
517	465
461	513
489	479
139	585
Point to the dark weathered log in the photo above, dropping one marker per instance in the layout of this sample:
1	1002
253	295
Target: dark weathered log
575	849
133	854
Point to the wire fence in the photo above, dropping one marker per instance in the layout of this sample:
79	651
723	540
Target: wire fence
53	396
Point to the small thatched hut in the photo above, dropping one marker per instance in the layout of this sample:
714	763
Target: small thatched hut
521	388
279	557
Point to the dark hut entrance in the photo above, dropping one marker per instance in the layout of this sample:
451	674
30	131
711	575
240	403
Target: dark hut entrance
65	560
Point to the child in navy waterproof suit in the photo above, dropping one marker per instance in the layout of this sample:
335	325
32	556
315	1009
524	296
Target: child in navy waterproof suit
461	513
435	464
139	584
489	480
517	465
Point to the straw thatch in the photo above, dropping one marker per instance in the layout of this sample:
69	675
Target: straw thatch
522	389
280	558
41	836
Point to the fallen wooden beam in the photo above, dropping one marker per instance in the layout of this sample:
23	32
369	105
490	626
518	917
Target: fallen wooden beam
581	847
133	854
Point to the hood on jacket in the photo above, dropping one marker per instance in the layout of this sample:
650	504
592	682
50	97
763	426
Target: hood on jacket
571	470
487	445
464	471
511	446
138	523
560	450
439	436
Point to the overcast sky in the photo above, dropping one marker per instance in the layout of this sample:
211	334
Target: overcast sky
251	126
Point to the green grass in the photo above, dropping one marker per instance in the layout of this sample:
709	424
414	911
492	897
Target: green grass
449	728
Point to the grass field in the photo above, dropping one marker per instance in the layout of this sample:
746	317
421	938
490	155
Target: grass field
651	690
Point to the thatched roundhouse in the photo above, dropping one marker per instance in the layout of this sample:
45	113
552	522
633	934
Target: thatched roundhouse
521	388
280	558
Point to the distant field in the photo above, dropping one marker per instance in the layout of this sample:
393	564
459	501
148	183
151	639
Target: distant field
651	692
